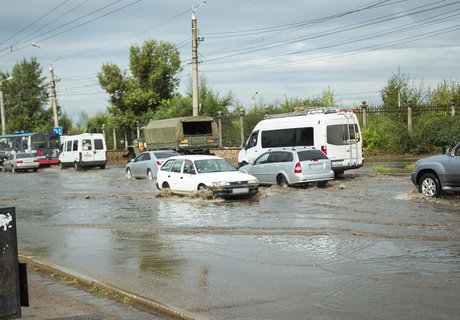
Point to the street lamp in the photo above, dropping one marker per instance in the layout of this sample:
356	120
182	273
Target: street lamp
53	90
2	106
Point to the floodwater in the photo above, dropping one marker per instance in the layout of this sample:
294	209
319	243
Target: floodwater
367	246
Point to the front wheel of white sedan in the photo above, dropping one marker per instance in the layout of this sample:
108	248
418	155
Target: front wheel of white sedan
129	174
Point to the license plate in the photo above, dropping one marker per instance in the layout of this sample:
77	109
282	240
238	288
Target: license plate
316	166
337	163
241	190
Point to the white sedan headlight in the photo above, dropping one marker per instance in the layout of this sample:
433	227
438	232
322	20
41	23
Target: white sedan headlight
253	181
220	183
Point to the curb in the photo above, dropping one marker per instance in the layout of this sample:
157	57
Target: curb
88	283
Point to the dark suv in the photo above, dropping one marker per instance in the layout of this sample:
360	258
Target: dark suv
438	173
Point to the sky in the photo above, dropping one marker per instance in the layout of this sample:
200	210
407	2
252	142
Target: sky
263	51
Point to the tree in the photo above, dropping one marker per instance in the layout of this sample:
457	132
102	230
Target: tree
154	69
26	96
444	93
399	92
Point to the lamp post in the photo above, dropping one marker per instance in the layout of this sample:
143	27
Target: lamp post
2	106
53	90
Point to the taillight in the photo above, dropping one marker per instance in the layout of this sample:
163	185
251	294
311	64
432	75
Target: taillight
324	149
159	163
298	168
35	160
18	161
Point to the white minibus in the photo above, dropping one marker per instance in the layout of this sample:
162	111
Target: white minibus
334	131
83	150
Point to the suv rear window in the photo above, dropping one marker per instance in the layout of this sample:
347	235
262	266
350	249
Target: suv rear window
311	155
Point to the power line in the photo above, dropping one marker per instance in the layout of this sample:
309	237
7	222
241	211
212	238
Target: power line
32	23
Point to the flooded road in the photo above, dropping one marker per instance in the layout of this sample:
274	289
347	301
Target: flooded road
365	247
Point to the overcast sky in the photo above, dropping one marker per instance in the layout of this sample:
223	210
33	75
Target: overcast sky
277	49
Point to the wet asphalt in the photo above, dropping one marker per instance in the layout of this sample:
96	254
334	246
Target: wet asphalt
366	246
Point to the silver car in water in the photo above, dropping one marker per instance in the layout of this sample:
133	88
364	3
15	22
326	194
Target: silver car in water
21	161
145	165
291	166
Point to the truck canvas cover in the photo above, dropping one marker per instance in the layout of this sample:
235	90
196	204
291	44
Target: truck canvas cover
191	131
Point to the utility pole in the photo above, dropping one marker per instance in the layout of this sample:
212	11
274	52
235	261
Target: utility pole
2	109
195	99
53	97
2	106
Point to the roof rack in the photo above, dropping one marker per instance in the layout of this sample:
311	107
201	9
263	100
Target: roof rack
314	110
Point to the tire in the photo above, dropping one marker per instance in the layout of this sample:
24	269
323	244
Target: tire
77	166
102	166
61	165
429	185
129	174
149	175
13	170
165	185
321	184
202	186
35	169
282	181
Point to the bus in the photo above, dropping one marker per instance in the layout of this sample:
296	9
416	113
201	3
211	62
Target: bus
45	146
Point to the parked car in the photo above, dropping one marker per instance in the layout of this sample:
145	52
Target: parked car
145	165
291	166
436	174
189	173
3	157
21	161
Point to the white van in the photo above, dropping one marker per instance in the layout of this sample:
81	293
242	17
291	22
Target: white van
336	132
83	150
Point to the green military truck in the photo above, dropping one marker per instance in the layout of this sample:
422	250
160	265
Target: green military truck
187	135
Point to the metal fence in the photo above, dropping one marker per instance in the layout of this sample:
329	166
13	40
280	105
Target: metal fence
369	116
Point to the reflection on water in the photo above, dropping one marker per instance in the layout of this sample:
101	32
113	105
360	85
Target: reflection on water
364	247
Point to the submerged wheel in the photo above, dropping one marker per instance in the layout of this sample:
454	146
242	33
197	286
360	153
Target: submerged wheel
282	181
128	173
13	170
149	174
77	166
61	165
202	186
429	185
165	185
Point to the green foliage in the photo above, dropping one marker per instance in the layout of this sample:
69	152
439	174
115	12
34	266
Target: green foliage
400	92
387	136
26	97
154	69
433	134
444	93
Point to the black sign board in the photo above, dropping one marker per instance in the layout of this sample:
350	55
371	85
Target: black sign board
10	294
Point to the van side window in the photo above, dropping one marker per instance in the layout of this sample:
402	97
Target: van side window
291	137
86	145
75	145
68	145
98	144
342	134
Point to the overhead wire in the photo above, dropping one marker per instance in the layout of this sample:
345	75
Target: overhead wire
240	54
